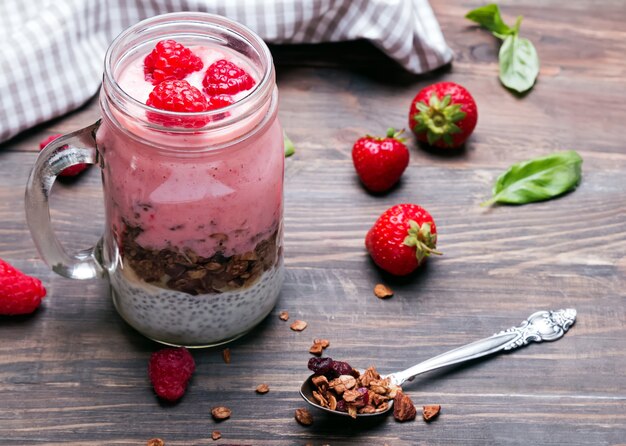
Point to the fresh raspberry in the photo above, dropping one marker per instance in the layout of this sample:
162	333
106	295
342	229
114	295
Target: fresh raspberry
219	101
170	61
71	171
19	293
170	370
177	96
224	77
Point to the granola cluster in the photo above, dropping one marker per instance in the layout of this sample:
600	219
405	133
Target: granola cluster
343	388
186	271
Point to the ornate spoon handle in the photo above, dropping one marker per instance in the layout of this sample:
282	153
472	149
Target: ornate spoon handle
540	326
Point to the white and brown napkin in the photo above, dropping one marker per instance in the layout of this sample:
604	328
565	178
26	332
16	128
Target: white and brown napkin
52	51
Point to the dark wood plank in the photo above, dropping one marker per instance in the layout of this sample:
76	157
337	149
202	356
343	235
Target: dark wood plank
74	374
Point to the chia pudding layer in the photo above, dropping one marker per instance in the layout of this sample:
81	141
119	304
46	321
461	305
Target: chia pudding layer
179	318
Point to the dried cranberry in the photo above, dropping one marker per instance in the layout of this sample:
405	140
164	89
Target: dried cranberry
341	406
341	368
364	398
320	366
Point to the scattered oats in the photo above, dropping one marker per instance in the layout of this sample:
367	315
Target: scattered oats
216	435
226	355
382	291
262	388
298	325
155	442
220	413
304	417
283	316
431	411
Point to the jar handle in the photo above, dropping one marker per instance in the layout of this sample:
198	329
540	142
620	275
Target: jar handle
67	150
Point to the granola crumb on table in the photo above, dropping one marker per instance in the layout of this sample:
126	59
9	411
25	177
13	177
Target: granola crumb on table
216	435
298	325
220	413
431	411
318	346
226	355
262	388
316	349
324	342
283	316
303	416
155	442
382	291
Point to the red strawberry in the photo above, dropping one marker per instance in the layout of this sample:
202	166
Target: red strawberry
224	77
71	171
443	115
19	293
170	370
177	96
170	61
379	162
401	239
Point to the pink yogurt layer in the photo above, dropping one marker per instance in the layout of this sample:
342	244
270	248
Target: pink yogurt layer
190	201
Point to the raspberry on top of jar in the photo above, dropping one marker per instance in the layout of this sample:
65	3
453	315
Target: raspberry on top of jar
176	78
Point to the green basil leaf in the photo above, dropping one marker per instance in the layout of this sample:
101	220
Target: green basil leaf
489	17
519	63
538	179
290	149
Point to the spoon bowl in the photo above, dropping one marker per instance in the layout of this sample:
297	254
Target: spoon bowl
540	326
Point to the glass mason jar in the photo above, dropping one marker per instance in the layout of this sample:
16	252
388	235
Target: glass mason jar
192	246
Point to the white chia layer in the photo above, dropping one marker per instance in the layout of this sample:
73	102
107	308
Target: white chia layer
178	318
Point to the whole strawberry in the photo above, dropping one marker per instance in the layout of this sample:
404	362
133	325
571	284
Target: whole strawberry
401	239
19	293
71	171
380	162
443	115
170	370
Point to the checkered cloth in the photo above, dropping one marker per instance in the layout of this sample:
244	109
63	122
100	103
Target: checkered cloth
52	51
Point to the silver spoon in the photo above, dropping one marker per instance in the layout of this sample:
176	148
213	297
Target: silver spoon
540	326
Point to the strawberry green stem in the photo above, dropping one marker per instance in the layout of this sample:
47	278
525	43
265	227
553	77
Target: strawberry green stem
438	119
423	239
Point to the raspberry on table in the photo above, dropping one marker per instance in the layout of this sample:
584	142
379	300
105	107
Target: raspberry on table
170	370
170	60
224	77
71	171
177	96
19	293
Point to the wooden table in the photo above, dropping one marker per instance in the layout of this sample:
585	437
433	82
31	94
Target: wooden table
74	373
